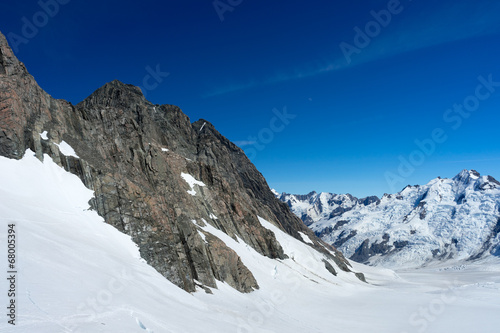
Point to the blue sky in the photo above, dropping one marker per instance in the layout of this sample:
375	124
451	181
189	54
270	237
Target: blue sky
272	77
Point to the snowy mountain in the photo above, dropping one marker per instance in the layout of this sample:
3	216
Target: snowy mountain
456	218
319	206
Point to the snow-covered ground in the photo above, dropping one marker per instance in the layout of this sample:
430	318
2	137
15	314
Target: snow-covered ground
78	274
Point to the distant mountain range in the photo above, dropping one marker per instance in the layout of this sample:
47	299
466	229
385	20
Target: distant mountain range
456	218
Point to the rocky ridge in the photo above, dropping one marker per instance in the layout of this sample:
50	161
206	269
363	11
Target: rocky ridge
135	156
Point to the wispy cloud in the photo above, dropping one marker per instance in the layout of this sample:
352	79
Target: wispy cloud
244	143
283	77
410	32
449	23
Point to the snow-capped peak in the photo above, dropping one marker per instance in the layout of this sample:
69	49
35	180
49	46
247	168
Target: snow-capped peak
466	175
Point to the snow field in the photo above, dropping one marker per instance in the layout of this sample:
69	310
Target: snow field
78	274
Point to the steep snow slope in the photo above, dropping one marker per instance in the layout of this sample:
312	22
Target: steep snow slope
78	274
456	218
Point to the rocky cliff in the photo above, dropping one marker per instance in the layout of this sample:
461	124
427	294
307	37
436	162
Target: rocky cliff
156	176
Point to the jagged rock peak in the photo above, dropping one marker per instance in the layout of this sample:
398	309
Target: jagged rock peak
114	94
9	64
369	200
205	128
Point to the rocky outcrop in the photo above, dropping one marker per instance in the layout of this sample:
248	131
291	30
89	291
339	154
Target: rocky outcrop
133	154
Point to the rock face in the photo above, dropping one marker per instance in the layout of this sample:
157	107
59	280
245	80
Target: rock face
134	154
456	218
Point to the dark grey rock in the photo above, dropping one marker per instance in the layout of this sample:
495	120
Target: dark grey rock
330	268
344	238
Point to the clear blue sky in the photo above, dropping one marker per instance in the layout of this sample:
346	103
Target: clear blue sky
354	120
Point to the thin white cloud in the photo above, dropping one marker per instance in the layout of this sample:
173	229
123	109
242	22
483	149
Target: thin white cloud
408	32
295	75
244	143
453	22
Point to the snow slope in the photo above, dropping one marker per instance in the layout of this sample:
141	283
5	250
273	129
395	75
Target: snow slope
78	274
456	218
